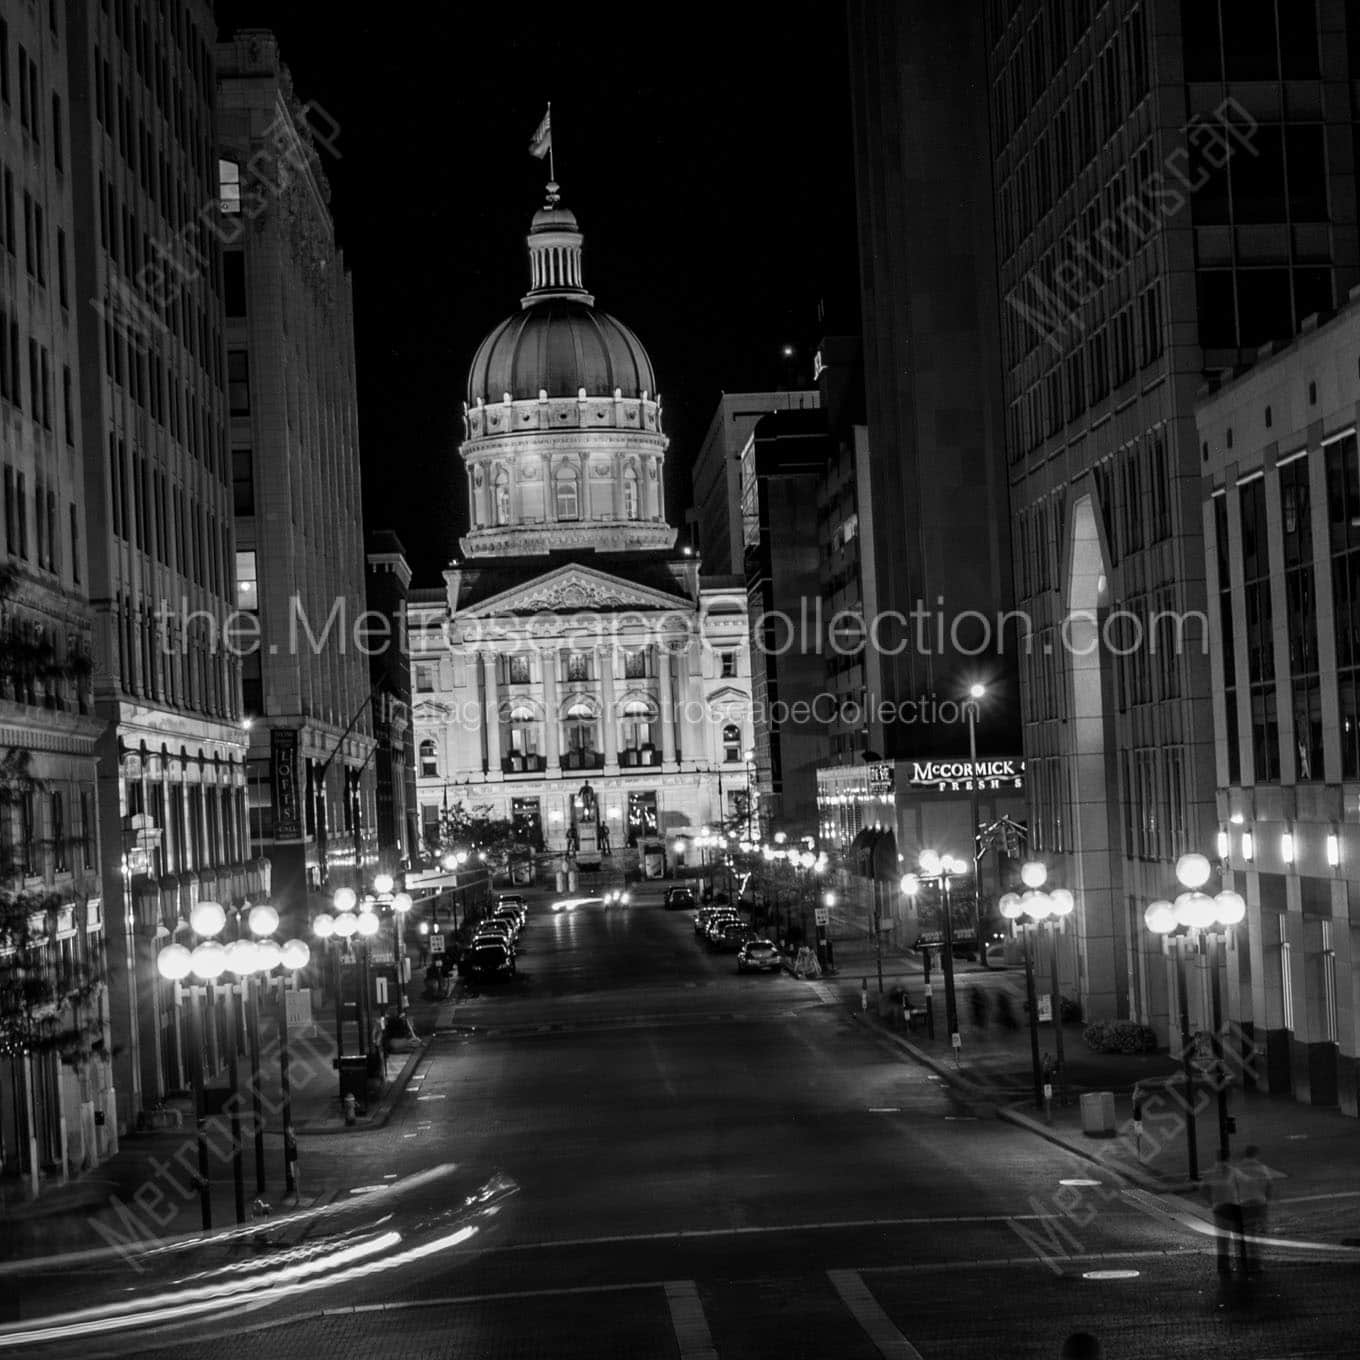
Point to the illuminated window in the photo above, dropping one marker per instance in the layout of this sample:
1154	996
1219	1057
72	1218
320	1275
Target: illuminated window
229	186
247	581
501	494
637	727
731	736
568	496
429	760
632	503
523	732
581	728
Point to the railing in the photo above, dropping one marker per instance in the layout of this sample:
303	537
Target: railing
523	764
643	755
583	760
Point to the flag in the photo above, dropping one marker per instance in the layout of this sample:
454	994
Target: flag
541	142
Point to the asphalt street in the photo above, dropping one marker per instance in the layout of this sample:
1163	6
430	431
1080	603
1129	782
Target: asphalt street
707	1165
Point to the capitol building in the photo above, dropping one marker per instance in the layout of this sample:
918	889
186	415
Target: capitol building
573	644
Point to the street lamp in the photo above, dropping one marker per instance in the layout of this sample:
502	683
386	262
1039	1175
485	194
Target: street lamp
940	869
1048	908
1181	925
1025	921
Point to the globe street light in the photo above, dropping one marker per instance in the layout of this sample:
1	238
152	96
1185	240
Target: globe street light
940	869
1181	925
176	963
1023	924
1050	909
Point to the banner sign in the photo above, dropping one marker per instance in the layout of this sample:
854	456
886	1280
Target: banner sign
954	776
298	1007
283	752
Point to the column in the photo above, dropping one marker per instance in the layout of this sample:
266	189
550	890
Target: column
608	716
491	716
549	661
691	698
663	661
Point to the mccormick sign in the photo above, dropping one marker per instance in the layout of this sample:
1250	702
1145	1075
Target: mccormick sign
955	776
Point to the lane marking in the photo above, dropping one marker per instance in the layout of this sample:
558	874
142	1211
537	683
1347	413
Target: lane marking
885	1109
688	1320
868	1312
552	1244
1082	1258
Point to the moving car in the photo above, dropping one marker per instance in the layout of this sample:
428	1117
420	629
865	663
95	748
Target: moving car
617	897
490	958
759	956
679	899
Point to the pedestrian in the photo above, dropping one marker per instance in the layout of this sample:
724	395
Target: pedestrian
1081	1346
1221	1190
977	999
1253	1197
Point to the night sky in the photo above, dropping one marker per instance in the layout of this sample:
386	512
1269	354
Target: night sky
704	150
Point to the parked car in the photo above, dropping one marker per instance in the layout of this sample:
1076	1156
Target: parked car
702	917
510	917
729	936
679	899
495	930
759	956
515	902
719	918
491	958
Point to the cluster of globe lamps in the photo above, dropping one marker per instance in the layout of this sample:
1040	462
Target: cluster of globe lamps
210	958
1194	910
359	916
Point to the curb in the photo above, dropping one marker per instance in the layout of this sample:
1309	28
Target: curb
1012	1115
382	1112
974	1090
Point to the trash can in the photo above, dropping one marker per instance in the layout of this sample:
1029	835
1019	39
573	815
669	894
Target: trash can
1097	1114
354	1079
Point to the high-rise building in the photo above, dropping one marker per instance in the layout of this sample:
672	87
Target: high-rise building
389	583
145	279
1281	516
295	483
935	559
783	468
577	678
716	474
1175	187
49	835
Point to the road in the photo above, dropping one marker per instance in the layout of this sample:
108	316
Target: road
711	1167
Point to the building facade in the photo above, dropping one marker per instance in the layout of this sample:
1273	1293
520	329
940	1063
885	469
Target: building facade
294	448
1175	186
389	584
576	670
1281	523
146	264
49	833
716	474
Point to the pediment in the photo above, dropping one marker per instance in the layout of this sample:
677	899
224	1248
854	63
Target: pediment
575	589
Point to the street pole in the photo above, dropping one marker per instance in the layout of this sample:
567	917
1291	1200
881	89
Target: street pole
238	1174
1220	1076
339	969
878	932
1031	996
200	1113
286	1093
951	1009
975	837
256	1099
1054	927
1183	1003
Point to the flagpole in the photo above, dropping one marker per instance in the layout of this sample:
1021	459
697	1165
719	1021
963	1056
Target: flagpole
552	172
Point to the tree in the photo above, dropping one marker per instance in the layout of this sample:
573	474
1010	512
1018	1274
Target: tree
45	995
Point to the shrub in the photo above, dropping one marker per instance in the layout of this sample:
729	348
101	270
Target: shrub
1120	1036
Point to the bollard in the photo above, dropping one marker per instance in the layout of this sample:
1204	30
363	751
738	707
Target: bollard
351	1108
864	994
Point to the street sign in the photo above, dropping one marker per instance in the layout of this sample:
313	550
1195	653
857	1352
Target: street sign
437	944
1045	1006
822	915
298	1008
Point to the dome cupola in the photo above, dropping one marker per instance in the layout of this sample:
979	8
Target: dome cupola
563	439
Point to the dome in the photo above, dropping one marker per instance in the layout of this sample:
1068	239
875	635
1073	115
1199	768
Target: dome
560	344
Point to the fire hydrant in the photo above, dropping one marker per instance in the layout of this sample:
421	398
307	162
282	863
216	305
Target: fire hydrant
351	1108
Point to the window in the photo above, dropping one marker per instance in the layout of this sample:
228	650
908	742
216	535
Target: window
229	186
429	760
426	675
578	666
632	505
731	736
524	729
234	282
247	581
727	665
501	497
567	496
243	481
238	382
57	158
75	543
517	669
635	665
581	729
637	727
58	813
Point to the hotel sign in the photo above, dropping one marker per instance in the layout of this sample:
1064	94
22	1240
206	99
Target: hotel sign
961	776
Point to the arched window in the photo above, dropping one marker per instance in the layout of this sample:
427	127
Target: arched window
581	743
731	735
568	497
632	499
523	732
429	760
500	490
637	726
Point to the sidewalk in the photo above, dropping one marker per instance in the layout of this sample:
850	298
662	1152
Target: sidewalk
149	1191
1313	1152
